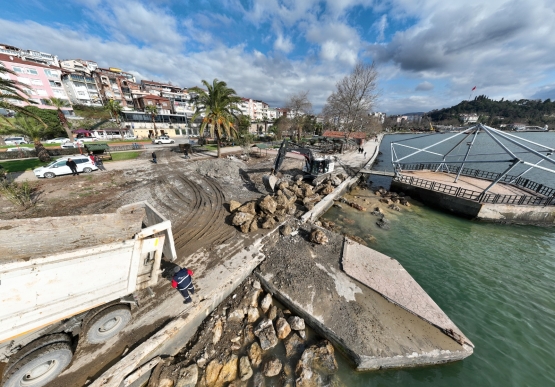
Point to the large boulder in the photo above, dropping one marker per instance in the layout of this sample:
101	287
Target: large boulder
268	222
240	218
283	329
228	372
249	208
266	302
383	223
315	365
253	315
272	313
266	334
268	205
285	230
245	369
294	345
217	331
255	354
296	323
272	367
212	372
188	377
248	334
318	236
233	205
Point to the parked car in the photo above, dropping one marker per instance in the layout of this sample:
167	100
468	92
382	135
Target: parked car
57	140
23	148
15	140
59	167
67	145
86	139
163	140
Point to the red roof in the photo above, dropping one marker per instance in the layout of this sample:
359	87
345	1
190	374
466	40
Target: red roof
334	134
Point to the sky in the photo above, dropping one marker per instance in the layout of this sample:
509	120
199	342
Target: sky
429	53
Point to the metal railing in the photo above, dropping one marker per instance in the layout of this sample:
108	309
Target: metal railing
477	195
520	182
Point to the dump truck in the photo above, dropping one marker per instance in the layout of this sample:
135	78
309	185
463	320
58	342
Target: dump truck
70	278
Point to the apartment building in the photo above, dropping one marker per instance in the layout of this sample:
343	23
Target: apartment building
114	84
80	66
40	81
30	55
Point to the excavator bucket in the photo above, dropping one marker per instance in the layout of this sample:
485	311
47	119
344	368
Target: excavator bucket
269	182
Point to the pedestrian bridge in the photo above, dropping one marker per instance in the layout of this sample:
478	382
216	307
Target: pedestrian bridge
378	173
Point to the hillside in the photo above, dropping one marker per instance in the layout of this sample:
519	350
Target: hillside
491	112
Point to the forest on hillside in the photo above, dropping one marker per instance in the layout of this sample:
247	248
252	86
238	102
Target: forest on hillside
495	113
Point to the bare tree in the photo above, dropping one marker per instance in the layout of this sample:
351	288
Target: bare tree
348	108
297	107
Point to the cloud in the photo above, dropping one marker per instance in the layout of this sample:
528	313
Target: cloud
380	26
545	92
283	44
424	86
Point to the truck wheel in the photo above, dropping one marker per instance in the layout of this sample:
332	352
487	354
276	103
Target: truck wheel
39	367
107	323
33	346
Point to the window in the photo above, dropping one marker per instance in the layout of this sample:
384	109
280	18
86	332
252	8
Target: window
17	69
149	102
51	73
36	82
42	92
82	93
54	84
59	93
32	71
24	80
44	102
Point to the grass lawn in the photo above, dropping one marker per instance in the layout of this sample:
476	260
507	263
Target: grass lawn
22	165
210	147
118	156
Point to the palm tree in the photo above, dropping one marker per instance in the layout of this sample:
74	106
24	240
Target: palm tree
219	105
153	111
114	107
31	128
59	104
11	90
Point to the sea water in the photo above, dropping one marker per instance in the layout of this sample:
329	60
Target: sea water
496	282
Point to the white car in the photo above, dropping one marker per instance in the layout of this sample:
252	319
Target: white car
163	140
23	148
57	140
67	145
59	167
86	139
15	140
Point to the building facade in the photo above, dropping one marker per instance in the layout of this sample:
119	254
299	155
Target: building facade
41	82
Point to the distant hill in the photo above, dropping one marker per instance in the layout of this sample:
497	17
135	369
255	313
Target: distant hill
491	112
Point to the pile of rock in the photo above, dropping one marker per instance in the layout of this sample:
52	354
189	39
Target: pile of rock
291	198
392	198
256	328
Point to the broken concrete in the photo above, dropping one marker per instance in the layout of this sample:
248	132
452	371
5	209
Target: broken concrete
372	331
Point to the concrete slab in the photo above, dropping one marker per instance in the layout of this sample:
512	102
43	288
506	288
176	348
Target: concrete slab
369	329
386	276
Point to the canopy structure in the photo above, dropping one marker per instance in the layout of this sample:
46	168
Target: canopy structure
503	147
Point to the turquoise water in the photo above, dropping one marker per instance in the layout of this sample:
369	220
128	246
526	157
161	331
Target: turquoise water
496	282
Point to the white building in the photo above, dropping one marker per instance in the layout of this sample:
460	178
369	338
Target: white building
30	55
85	67
81	89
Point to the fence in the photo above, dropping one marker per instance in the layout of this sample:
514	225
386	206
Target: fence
63	152
520	182
477	195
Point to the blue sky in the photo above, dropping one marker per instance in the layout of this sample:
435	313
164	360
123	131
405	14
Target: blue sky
429	53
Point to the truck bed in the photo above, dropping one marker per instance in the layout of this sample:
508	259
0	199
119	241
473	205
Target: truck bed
38	237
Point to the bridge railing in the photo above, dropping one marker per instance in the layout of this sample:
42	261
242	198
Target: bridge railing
520	182
476	195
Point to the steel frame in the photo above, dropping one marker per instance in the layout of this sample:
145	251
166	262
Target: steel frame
515	158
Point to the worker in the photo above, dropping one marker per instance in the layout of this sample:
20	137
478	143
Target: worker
73	166
183	281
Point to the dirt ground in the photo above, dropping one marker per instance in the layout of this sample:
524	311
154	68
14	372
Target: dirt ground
192	194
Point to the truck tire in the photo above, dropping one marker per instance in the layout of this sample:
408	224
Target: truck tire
39	367
34	345
107	323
